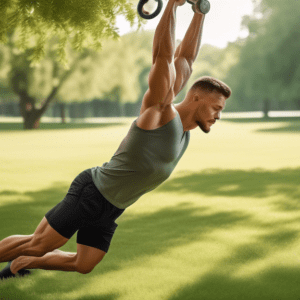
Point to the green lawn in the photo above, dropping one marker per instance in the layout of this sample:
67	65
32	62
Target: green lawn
54	126
224	226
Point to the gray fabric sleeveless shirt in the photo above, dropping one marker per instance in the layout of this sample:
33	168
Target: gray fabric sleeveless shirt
144	160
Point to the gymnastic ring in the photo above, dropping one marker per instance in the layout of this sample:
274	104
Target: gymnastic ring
156	13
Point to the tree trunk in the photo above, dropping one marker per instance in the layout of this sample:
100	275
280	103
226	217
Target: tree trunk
63	112
31	121
30	114
266	108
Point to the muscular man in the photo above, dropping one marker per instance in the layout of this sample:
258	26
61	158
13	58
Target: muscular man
156	141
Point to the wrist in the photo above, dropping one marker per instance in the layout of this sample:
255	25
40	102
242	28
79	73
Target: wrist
179	2
197	10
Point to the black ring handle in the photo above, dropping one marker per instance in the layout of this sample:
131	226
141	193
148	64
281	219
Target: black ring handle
148	17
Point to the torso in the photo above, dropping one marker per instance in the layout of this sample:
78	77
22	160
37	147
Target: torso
153	117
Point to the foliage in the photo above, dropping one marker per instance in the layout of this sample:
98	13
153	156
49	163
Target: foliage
125	63
121	63
269	66
216	62
83	23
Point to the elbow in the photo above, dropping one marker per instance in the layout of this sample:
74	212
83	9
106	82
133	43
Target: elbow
183	65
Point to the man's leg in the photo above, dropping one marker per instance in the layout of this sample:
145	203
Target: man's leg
55	260
82	262
13	246
44	239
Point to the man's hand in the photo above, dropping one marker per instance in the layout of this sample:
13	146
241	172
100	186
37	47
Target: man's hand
196	9
180	2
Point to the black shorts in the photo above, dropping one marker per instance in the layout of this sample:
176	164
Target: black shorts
85	209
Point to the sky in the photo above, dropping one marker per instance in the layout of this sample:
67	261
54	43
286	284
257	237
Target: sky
222	24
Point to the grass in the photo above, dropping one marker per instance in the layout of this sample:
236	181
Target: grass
284	124
224	226
55	126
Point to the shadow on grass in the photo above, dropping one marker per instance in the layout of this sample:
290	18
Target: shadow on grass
256	183
152	234
225	283
275	283
289	125
56	126
19	218
9	291
135	238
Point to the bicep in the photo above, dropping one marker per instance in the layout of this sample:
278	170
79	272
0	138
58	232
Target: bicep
161	81
183	73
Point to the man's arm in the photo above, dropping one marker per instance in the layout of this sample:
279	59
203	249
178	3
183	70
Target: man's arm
187	52
162	74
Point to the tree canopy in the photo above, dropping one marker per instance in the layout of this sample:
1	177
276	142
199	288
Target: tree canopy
83	23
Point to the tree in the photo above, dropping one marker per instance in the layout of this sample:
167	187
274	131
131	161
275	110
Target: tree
42	81
27	26
269	65
92	74
83	23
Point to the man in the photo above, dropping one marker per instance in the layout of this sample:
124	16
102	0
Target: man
146	157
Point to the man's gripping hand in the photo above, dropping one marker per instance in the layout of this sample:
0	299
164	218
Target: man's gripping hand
180	2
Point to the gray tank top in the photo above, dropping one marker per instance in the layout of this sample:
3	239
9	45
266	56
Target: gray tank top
144	159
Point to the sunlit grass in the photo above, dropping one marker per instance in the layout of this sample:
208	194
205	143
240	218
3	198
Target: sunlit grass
224	226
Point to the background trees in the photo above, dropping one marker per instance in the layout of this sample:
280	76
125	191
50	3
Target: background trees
91	75
269	66
39	34
262	70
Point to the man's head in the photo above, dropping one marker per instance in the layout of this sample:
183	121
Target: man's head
204	102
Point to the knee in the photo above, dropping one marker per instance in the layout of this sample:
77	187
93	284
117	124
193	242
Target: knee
83	268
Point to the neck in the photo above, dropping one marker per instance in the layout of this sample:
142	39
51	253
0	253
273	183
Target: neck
185	116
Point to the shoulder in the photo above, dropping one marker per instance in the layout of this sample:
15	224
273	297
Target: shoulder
155	117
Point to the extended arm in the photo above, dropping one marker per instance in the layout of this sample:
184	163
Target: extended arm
187	52
162	74
168	76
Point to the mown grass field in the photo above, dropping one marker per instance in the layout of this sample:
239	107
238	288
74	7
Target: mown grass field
224	226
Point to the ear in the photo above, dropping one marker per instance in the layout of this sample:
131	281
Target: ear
196	97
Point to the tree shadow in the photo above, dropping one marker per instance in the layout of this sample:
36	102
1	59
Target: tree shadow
9	290
274	283
151	234
289	125
101	297
138	236
223	282
256	183
156	233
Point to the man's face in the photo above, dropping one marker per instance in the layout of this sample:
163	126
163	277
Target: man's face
209	111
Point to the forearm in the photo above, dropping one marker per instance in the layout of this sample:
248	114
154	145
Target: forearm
190	45
164	38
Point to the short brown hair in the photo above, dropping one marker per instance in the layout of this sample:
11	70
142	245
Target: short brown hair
211	84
